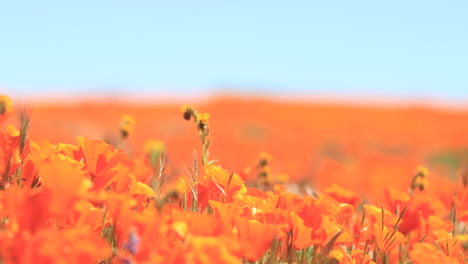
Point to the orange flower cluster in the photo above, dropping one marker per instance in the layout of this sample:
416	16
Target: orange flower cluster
90	202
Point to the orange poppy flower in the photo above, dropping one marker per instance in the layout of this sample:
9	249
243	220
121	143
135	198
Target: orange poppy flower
396	199
230	182
277	217
290	202
35	210
200	224
339	255
421	204
255	238
423	253
433	223
342	195
387	238
71	245
65	180
100	158
358	256
218	184
85	214
374	214
302	235
229	213
207	250
461	202
10	156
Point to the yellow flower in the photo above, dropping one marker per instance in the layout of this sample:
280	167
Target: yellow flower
6	105
420	180
336	254
265	159
180	228
12	131
127	125
203	118
463	240
264	174
421	183
423	171
187	111
185	108
153	146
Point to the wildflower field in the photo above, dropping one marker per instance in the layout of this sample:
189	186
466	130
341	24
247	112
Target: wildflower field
232	180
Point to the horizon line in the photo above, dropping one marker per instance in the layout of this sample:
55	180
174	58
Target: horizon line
178	97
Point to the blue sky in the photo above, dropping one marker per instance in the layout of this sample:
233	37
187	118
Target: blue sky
395	48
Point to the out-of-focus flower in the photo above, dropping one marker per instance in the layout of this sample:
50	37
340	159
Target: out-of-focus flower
255	237
420	181
264	159
387	238
187	111
421	206
339	255
396	199
203	118
6	105
302	235
10	156
463	240
342	195
378	215
422	170
423	253
280	178
66	181
132	243
127	125
153	146
206	250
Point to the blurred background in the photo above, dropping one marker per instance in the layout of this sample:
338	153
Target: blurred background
358	93
396	50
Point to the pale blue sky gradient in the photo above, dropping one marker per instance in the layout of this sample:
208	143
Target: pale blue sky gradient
396	48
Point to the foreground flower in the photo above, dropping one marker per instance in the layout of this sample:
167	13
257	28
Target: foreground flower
90	202
206	250
423	253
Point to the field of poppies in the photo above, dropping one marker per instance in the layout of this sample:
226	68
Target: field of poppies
232	180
